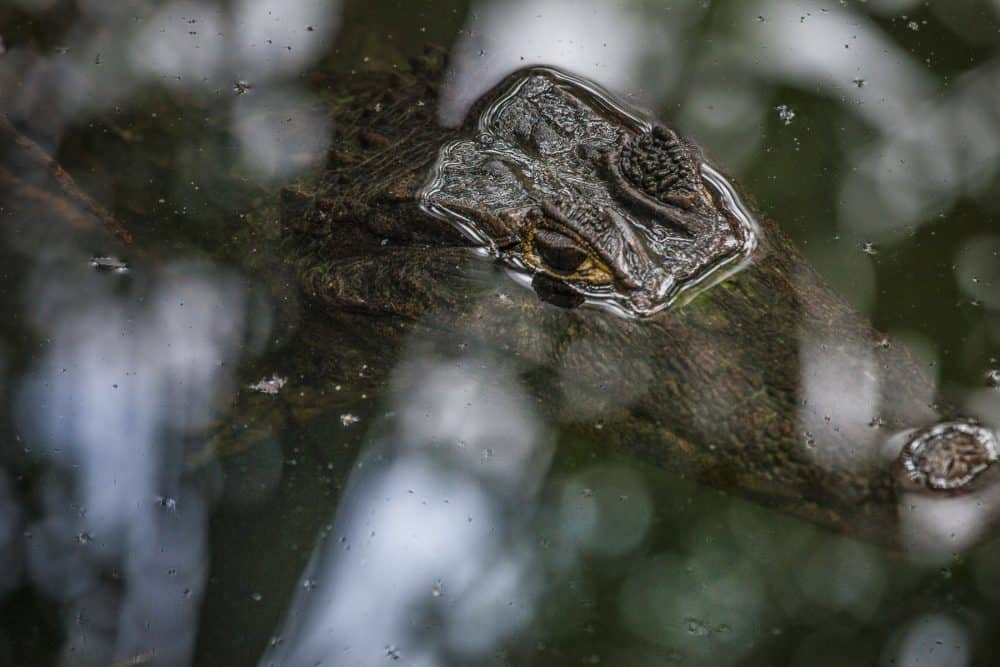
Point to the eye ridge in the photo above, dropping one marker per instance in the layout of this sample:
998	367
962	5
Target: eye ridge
559	250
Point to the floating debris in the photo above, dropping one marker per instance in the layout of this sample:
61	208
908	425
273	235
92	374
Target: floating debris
138	659
347	419
109	263
167	502
241	87
993	378
696	627
860	83
785	113
913	25
949	455
270	386
869	249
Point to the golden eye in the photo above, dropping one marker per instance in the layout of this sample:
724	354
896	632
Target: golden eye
558	251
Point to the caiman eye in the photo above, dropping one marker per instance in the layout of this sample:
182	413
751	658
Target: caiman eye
560	252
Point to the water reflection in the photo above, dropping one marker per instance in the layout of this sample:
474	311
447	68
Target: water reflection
429	559
840	390
132	376
605	43
935	639
280	132
121	536
190	47
180	44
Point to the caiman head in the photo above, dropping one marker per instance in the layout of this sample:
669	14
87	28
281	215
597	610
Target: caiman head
588	202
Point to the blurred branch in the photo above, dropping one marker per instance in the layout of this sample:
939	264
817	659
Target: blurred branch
64	197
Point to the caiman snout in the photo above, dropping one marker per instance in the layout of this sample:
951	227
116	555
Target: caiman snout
949	456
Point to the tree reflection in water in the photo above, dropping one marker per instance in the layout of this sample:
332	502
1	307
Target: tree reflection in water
430	556
132	375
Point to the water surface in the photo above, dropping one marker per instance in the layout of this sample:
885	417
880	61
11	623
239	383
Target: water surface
157	509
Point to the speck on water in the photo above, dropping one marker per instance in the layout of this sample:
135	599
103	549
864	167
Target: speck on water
696	627
167	502
785	113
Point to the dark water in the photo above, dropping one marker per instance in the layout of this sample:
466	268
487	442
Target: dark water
155	509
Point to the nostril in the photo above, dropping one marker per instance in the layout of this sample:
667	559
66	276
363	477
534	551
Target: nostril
948	456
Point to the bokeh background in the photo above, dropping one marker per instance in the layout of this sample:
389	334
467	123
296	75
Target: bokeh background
441	520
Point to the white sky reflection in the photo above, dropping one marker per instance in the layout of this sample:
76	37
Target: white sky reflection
181	42
124	385
840	391
604	42
280	132
428	560
934	640
193	43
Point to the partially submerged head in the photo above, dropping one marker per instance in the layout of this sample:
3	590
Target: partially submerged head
587	200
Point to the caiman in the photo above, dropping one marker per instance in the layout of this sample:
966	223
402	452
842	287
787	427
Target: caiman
641	300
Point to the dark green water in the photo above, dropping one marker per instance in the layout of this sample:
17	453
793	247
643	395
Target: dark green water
155	510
